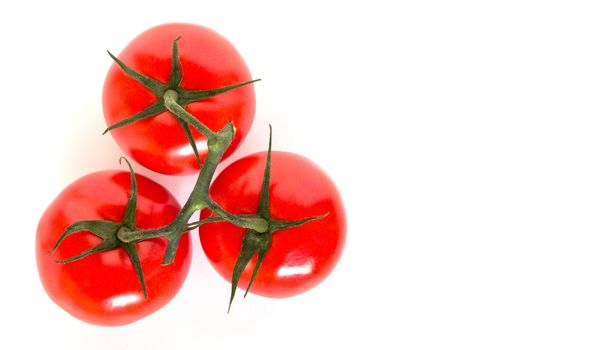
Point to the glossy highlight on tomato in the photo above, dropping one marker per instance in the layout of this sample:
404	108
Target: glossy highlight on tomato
300	257
103	288
208	61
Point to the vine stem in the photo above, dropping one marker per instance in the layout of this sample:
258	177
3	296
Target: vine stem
199	198
171	98
253	222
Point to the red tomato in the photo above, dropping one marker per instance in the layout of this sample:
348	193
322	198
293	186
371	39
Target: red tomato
299	257
103	288
207	61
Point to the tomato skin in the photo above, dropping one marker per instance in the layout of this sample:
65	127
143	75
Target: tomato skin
103	288
299	257
207	61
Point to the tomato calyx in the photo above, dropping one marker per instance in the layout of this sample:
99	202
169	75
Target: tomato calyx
259	242
172	97
109	232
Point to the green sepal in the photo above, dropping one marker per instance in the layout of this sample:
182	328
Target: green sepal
101	228
251	244
277	225
262	252
151	84
264	208
108	231
188	96
175	70
106	244
189	135
129	216
154	109
131	249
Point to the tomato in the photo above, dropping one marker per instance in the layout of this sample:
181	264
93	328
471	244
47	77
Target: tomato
300	257
103	288
207	61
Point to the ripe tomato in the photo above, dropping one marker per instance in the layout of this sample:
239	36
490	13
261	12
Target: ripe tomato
103	288
208	61
300	257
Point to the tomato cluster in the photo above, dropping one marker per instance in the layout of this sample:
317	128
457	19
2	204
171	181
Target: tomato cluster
114	246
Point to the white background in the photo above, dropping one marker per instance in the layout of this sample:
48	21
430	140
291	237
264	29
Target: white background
458	131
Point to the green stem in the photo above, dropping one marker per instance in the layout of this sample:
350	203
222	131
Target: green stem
171	103
173	98
248	220
140	235
253	222
199	197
